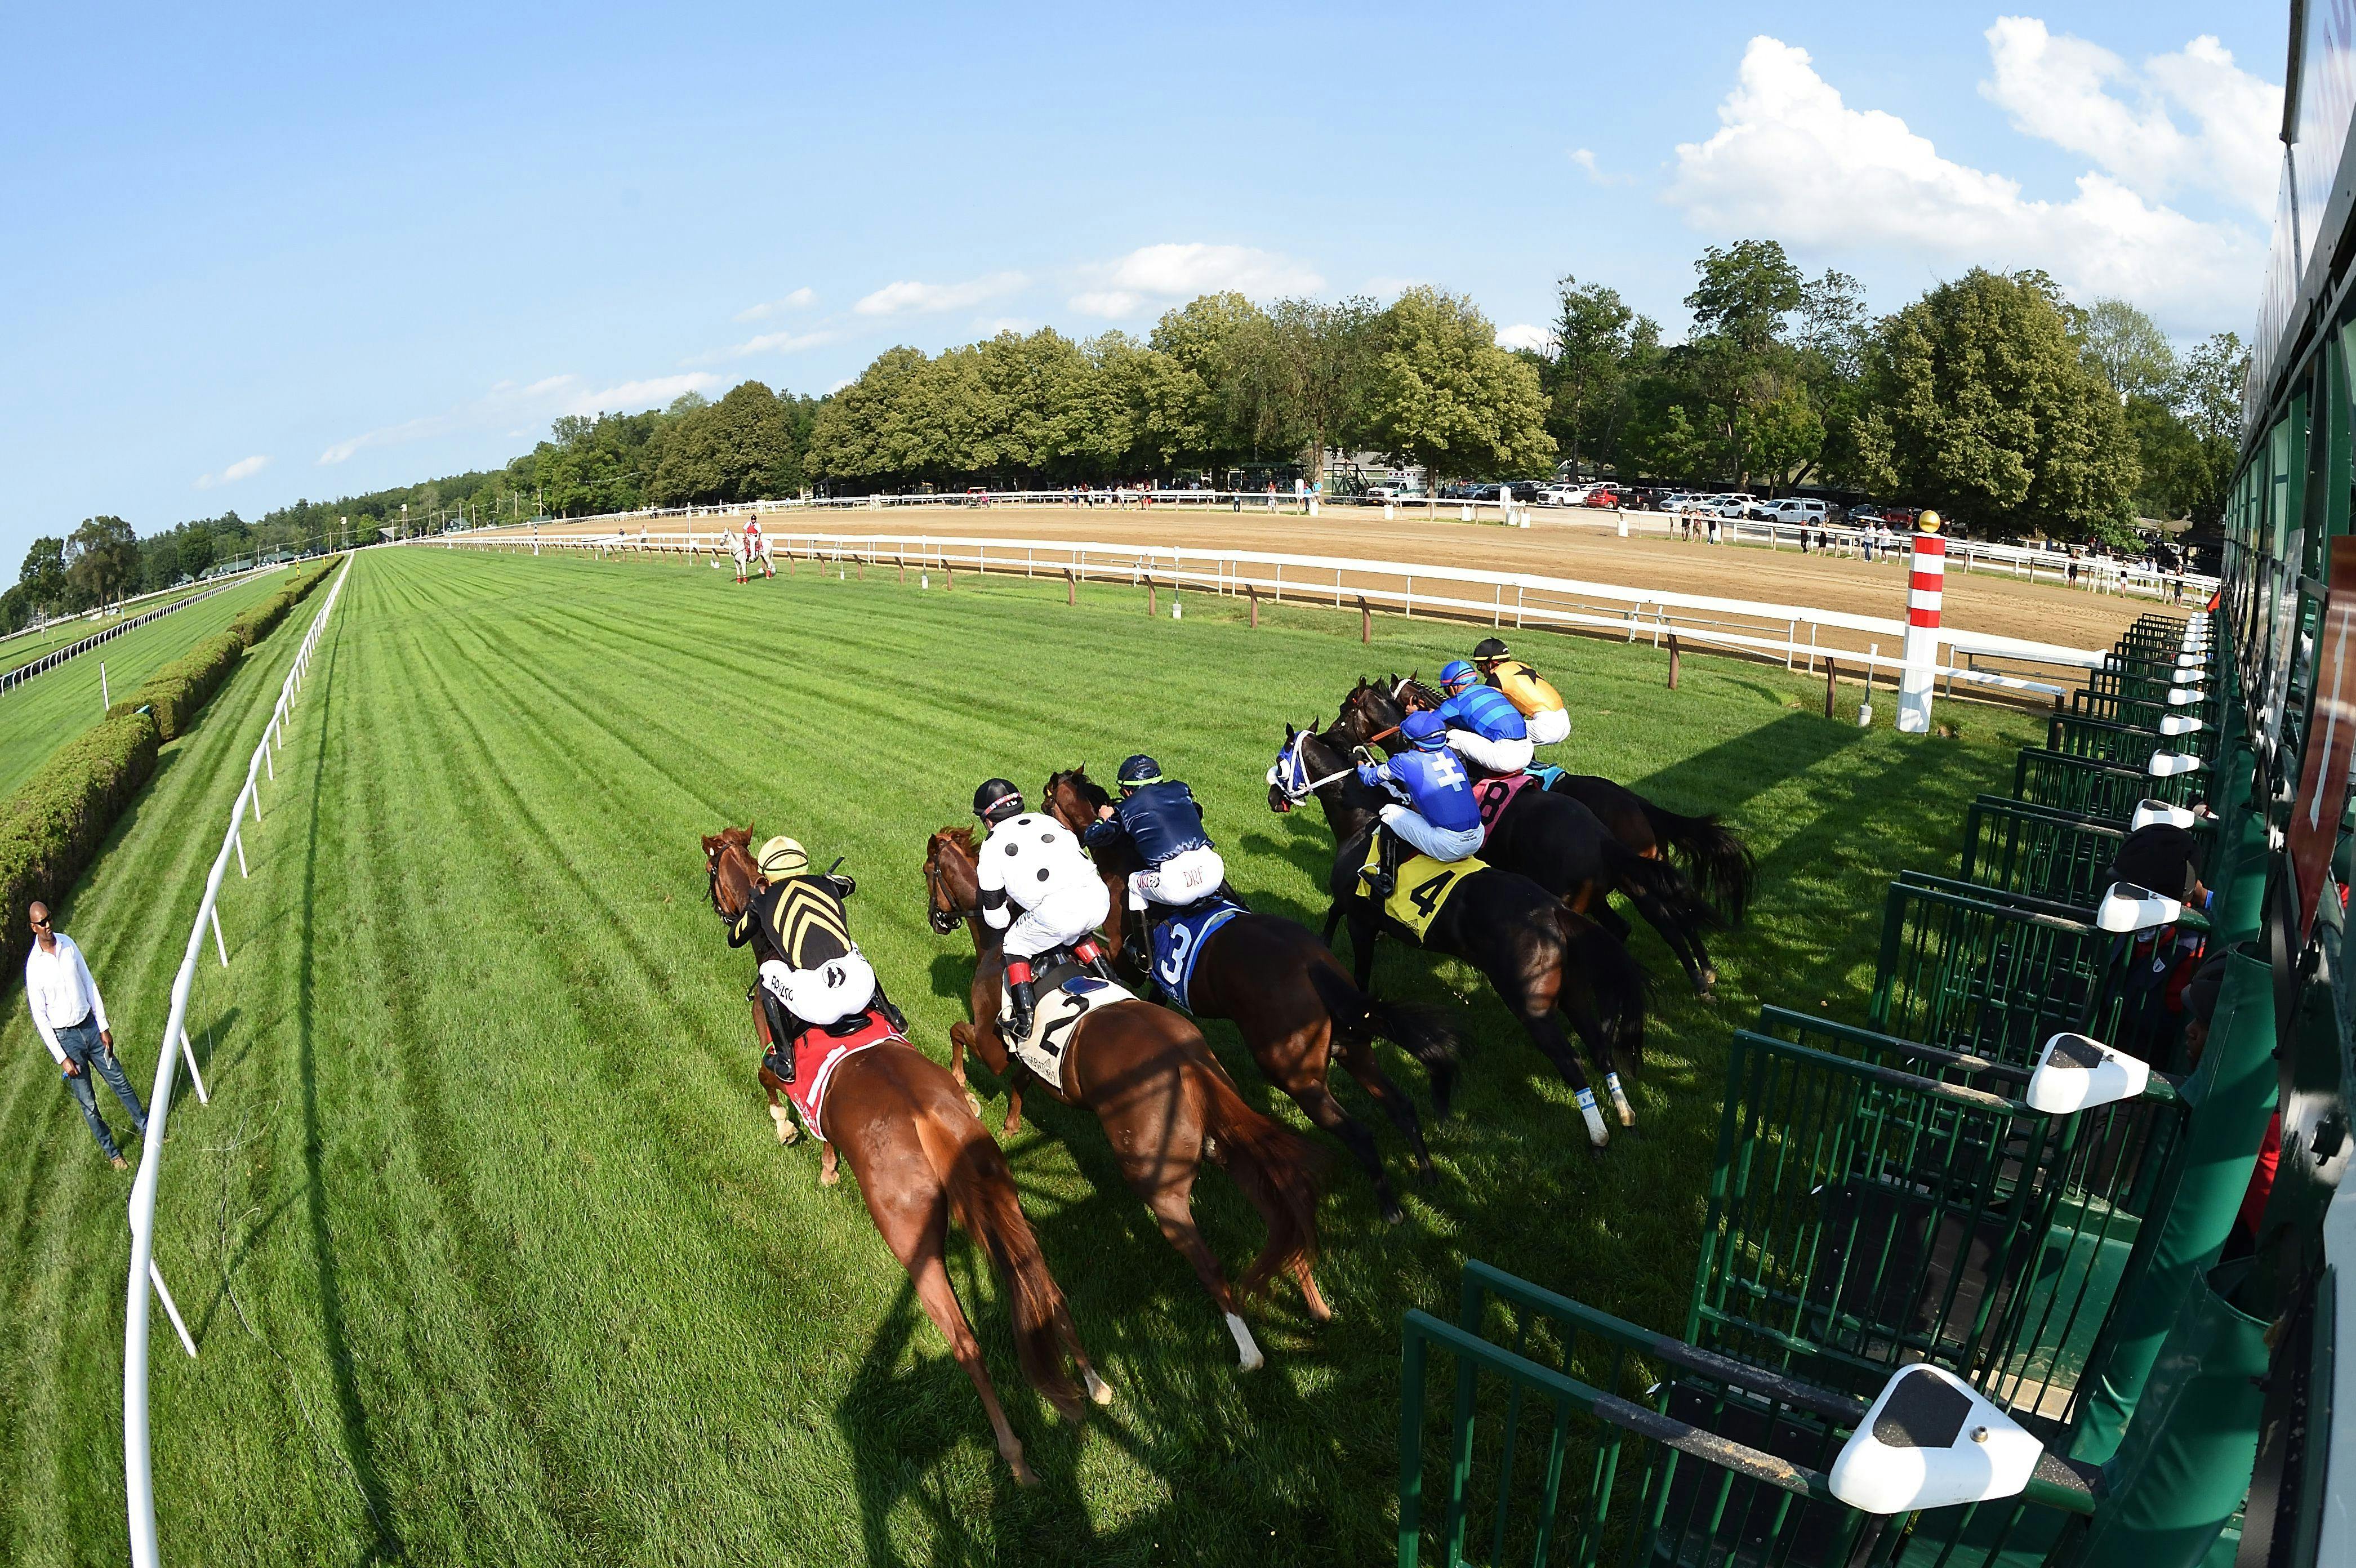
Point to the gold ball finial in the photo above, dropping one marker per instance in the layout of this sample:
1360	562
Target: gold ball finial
1928	522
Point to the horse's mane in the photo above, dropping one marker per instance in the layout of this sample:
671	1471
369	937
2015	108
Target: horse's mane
961	837
1094	793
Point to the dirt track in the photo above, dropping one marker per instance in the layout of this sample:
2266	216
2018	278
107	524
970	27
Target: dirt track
1588	549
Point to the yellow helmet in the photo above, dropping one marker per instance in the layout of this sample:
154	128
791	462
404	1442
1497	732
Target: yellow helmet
781	856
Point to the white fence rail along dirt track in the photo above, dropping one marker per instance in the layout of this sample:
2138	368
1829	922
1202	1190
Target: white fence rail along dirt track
1798	636
138	1474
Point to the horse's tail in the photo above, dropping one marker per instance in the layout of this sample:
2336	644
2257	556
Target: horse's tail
1277	1169
1661	883
981	1195
1618	984
1722	865
1425	1032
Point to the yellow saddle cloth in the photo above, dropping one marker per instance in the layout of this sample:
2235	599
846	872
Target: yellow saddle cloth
1424	887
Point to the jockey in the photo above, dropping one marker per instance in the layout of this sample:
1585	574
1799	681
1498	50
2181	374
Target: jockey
752	536
1160	820
1434	812
1030	862
1541	706
1482	721
813	973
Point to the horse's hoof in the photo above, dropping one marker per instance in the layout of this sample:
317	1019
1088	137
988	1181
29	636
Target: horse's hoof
829	1178
1022	1475
1099	1391
1393	1214
973	1104
1427	1176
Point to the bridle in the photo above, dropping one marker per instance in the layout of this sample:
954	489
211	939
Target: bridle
1289	774
712	870
942	912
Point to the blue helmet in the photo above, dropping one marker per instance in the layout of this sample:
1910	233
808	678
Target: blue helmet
1425	731
1139	771
1457	675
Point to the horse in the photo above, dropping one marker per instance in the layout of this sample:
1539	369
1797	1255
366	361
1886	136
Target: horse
728	860
1149	1077
1539	955
1293	1002
742	550
1559	844
922	1156
1717	860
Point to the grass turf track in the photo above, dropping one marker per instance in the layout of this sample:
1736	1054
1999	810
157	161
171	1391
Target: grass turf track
57	705
490	1251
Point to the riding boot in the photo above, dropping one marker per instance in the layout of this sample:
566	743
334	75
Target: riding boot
1018	1022
892	1014
1093	958
1227	894
1137	945
1384	879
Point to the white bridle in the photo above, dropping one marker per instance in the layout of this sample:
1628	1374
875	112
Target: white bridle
1289	774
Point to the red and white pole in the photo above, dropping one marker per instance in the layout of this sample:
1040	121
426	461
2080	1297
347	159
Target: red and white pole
1925	588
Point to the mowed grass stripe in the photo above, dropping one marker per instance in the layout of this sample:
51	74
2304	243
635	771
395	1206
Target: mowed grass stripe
488	1172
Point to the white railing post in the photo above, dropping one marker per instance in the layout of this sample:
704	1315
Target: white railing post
195	1076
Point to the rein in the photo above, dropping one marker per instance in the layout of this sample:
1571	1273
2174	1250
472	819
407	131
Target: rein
1289	774
945	908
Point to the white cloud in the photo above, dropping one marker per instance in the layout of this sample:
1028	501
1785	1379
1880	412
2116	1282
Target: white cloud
1585	159
783	342
2082	97
243	468
505	403
800	299
903	298
1176	272
1791	160
1524	336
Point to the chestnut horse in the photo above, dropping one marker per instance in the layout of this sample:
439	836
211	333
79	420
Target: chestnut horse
732	876
1293	1002
1164	1101
920	1157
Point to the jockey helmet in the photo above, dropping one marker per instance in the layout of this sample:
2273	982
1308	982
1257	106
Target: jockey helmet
1457	676
1425	731
1139	771
782	857
1489	650
996	799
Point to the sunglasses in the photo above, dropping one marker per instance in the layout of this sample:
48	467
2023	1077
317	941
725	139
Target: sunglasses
40	925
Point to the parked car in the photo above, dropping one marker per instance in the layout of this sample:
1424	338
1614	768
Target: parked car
1805	510
1564	495
1601	496
1864	516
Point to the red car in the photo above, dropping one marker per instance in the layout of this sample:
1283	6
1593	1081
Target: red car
1603	496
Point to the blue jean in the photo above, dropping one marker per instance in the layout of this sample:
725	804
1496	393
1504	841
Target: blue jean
89	1052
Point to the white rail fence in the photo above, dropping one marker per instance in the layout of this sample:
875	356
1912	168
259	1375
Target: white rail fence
138	1473
55	657
1756	628
2029	563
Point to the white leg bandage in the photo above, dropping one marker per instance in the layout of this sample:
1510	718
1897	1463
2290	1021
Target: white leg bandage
1245	1347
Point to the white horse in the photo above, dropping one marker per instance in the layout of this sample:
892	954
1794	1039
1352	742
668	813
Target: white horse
747	551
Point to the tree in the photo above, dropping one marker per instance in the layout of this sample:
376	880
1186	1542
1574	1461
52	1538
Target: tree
1446	396
1598	345
101	561
1984	408
1224	341
1745	290
43	576
2127	349
742	449
1324	359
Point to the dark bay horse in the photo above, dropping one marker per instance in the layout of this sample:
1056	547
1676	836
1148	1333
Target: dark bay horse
1561	845
1713	855
1294	1004
1165	1103
1539	955
921	1157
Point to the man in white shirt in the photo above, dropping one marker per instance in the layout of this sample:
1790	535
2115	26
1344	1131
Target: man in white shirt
71	1018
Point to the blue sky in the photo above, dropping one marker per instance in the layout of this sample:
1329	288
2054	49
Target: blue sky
294	252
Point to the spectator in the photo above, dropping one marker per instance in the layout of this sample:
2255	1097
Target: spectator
71	1017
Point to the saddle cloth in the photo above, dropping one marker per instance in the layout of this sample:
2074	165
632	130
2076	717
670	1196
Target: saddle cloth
1424	887
1546	773
819	1054
1178	939
1493	795
1067	994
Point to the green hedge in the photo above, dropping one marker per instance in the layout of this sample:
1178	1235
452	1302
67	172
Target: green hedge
51	828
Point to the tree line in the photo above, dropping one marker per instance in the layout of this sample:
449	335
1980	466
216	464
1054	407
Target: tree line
1993	397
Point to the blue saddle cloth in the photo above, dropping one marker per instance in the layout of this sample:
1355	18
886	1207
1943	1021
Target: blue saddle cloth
1547	776
1178	939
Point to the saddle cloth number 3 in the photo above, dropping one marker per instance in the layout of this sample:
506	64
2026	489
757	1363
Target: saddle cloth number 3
1172	969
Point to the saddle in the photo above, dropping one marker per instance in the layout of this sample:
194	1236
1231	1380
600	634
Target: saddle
1423	887
1067	994
817	1053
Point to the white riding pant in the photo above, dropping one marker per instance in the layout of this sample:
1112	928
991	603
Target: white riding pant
1189	875
827	994
1496	756
1548	726
1440	843
1059	919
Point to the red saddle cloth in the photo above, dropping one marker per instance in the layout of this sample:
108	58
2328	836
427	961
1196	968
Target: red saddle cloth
818	1055
1493	794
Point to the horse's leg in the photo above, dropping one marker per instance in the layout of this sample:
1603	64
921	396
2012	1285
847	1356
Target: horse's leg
827	1175
1309	1294
926	1271
959	1035
1360	1060
1317	1103
1172	1202
787	1131
1363	932
1533	1002
1332	919
1681	941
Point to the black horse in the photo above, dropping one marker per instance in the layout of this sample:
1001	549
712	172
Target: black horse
1559	844
1539	955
